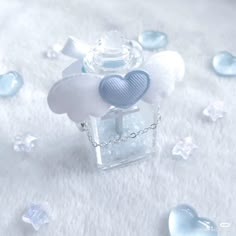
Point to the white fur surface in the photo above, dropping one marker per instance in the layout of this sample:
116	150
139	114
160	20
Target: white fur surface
132	201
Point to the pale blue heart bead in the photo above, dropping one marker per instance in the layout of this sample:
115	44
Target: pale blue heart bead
184	221
10	84
224	63
153	40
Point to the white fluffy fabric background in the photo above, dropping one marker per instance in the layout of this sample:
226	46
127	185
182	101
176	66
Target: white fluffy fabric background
129	201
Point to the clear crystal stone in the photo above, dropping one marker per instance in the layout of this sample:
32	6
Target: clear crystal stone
214	111
153	40
54	51
36	215
24	143
184	148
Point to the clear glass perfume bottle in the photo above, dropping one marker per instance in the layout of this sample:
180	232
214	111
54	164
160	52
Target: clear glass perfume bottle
121	136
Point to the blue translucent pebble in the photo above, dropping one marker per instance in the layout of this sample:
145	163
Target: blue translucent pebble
184	221
224	63
10	84
153	40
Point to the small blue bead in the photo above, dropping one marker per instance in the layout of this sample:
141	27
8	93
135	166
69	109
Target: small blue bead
224	63
10	84
153	40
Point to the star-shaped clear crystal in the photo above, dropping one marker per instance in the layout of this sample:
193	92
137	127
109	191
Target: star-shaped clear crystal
184	148
36	215
214	111
54	51
24	143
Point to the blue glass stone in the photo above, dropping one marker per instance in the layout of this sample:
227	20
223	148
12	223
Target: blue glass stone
224	63
184	221
36	216
153	40
10	84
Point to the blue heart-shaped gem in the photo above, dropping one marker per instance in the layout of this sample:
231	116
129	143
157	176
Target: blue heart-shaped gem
224	63
10	84
124	92
184	221
153	40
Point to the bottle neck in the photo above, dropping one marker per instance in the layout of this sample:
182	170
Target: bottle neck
113	54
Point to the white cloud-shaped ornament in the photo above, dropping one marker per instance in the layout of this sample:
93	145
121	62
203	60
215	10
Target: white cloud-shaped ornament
78	96
165	69
85	95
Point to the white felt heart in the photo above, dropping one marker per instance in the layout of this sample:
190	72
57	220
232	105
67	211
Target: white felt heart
164	69
78	96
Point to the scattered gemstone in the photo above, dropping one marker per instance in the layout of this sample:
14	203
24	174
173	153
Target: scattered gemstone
224	63
153	40
215	110
10	84
54	51
36	215
184	148
24	143
184	221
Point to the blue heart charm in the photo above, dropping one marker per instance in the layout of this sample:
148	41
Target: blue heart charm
153	40
224	63
10	84
184	221
124	92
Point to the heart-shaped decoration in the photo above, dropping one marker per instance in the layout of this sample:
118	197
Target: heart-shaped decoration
224	63
124	92
153	40
184	221
10	84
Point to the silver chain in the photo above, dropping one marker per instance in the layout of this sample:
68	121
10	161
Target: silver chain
85	127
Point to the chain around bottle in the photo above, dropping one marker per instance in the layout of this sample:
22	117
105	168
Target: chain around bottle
85	127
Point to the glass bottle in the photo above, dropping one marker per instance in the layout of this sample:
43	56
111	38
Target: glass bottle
121	136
